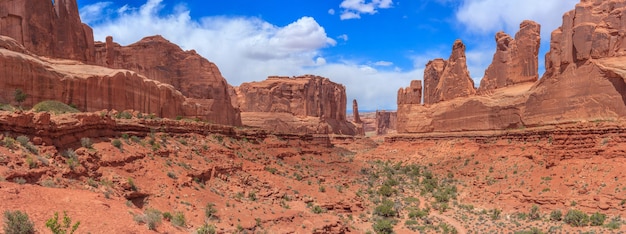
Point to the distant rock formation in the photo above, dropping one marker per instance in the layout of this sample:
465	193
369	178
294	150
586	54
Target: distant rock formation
446	80
48	28
385	122
515	60
89	87
411	94
304	97
191	74
355	112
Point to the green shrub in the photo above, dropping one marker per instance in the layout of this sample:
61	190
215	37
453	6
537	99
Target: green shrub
576	218
533	230
151	217
206	229
54	107
534	213
19	96
597	219
171	175
167	216
495	214
386	209
318	209
117	143
417	213
65	228
383	226
556	215
17	222
179	219
25	142
210	211
86	142
386	190
9	143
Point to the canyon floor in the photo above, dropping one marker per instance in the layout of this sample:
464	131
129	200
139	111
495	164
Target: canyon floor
248	181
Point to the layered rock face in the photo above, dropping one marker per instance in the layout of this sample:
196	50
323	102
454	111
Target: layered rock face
302	97
48	28
385	122
449	79
191	74
585	80
411	94
584	77
90	88
515	60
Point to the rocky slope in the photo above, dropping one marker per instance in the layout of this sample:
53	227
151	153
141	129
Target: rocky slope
293	104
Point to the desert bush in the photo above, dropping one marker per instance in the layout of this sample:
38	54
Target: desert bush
54	107
534	213
179	219
25	142
556	215
65	228
9	143
151	217
576	218
17	222
206	229
210	211
19	96
386	209
86	142
318	209
383	226
117	143
597	219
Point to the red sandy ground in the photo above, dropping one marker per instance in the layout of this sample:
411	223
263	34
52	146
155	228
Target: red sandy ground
287	178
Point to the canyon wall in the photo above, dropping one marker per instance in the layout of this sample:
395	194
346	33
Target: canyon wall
48	28
298	101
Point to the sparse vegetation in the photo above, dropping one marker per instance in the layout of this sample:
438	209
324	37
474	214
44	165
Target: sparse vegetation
54	107
179	219
86	142
17	222
576	218
151	217
62	228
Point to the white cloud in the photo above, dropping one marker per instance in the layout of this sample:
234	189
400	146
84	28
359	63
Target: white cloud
383	63
331	11
93	12
343	37
249	49
352	9
490	16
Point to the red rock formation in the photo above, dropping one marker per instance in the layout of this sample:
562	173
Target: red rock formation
446	80
515	60
93	88
584	77
411	94
301	97
385	122
191	74
355	112
48	28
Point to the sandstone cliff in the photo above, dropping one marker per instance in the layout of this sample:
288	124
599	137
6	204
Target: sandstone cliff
301	97
191	74
92	88
515	60
48	28
385	122
446	80
585	80
411	94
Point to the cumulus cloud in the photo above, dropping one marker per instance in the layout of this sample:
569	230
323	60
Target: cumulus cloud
352	9
489	16
250	49
93	12
343	37
383	63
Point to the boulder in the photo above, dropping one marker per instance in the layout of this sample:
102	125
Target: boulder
48	28
159	59
515	60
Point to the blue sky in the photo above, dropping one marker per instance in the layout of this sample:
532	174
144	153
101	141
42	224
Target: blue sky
373	47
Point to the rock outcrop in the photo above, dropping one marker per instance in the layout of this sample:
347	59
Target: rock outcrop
160	60
411	94
301	97
449	79
355	112
585	80
92	88
385	122
48	28
515	60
